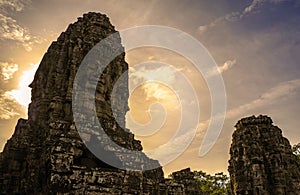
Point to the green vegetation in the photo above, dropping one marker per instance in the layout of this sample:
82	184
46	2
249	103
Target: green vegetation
296	150
218	184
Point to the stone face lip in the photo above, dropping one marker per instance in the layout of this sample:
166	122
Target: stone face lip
45	155
261	159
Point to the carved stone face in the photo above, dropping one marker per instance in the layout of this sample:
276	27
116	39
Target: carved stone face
56	108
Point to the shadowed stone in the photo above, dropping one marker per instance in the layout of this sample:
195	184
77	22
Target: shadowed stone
261	159
46	155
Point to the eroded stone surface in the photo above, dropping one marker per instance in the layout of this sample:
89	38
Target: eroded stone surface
183	182
46	155
261	160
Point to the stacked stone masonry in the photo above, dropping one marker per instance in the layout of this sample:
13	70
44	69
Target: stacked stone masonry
262	162
46	155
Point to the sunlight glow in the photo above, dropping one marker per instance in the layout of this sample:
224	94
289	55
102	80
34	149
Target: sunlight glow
158	91
23	94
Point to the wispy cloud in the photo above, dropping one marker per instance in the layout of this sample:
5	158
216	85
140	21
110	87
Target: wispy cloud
22	94
13	5
8	107
10	29
256	4
227	65
279	92
238	15
153	80
252	6
228	17
13	103
169	151
223	68
7	70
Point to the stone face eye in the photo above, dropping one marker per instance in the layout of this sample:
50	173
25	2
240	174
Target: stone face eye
46	155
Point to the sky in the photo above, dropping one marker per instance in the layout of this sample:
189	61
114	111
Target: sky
255	43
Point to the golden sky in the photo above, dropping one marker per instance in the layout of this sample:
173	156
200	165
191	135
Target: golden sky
254	43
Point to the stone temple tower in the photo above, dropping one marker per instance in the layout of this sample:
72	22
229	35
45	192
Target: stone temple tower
261	160
46	155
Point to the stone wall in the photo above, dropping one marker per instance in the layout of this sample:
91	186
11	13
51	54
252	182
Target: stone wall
183	182
46	154
261	159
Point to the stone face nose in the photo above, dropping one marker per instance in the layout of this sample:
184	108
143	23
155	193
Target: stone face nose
261	159
46	154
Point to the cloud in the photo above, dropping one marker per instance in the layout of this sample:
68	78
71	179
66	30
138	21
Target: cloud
13	103
153	72
154	81
22	95
227	65
221	69
255	5
13	5
8	107
252	6
237	15
228	17
10	29
8	69
277	93
169	151
157	91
